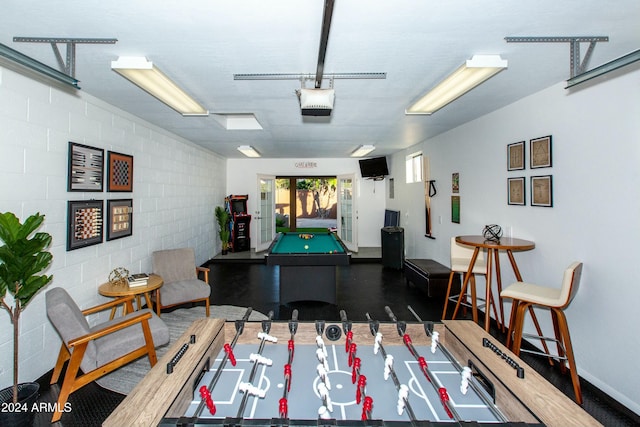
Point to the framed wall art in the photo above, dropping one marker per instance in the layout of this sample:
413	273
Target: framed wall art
119	218
455	209
84	223
455	182
540	152
86	168
541	191
120	172
516	191
515	156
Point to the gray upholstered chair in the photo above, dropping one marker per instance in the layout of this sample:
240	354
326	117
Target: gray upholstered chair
98	350
178	270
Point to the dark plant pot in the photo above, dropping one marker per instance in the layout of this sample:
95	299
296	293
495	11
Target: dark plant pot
20	414
224	252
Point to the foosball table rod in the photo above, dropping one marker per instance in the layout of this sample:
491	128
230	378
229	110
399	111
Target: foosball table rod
205	392
464	371
403	391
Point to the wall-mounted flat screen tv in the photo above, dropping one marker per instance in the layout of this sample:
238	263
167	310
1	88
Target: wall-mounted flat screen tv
374	168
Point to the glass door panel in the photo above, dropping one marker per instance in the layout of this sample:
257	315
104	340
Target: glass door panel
266	214
347	211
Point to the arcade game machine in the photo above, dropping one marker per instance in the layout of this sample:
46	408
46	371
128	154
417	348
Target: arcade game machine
236	205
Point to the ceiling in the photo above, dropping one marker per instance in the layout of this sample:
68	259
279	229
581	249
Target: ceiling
201	44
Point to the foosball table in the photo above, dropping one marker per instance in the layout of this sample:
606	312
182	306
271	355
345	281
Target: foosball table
281	373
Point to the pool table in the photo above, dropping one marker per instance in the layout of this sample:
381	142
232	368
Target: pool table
307	263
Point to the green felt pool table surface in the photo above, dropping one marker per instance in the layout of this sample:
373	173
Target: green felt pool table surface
292	243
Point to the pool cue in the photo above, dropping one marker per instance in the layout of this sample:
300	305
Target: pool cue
283	403
373	327
239	329
488	402
266	327
437	385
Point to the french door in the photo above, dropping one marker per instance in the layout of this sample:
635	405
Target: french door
265	221
347	211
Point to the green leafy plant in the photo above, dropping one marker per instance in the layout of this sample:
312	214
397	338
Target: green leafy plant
222	217
21	259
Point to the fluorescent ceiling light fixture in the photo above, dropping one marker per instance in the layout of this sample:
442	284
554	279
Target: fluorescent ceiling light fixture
36	66
141	72
248	151
238	121
363	150
473	72
604	68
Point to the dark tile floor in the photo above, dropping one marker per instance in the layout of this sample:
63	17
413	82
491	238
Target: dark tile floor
363	287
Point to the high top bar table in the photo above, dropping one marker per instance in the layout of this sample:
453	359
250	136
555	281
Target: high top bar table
507	244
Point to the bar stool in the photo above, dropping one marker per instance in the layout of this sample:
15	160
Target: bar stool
525	296
460	259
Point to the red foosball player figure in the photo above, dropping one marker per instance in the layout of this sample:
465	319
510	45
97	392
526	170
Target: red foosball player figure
229	351
205	394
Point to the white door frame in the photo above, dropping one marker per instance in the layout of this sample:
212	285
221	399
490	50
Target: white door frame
265	214
348	213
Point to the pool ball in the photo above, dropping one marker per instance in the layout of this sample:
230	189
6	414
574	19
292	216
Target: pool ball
306	247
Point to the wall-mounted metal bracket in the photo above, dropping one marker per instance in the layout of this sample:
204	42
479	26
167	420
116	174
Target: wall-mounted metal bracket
576	66
305	77
68	67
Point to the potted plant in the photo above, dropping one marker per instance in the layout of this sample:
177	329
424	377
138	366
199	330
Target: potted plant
22	258
222	217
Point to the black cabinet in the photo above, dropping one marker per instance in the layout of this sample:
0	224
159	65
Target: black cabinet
392	247
241	235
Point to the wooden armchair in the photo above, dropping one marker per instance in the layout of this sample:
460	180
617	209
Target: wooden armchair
100	349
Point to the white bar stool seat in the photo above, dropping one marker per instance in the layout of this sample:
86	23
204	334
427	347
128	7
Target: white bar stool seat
527	295
460	259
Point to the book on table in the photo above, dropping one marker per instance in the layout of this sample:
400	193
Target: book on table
139	279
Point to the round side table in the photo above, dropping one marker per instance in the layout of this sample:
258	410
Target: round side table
153	284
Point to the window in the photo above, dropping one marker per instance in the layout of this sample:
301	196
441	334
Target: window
414	167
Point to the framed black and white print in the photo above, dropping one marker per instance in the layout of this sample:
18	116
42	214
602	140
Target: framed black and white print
84	223
516	191
86	168
540	152
119	218
542	191
120	172
515	156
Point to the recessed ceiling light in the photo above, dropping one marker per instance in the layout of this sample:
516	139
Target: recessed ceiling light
248	151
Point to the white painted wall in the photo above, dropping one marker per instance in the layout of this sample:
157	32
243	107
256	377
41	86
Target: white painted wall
176	186
596	153
370	195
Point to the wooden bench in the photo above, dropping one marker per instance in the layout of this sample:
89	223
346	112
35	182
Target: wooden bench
431	276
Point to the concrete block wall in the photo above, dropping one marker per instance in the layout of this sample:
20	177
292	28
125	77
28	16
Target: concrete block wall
176	186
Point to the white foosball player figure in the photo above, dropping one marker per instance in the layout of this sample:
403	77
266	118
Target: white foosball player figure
324	394
376	343
260	359
388	366
435	338
464	383
322	373
267	337
252	390
320	344
322	358
403	393
324	413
